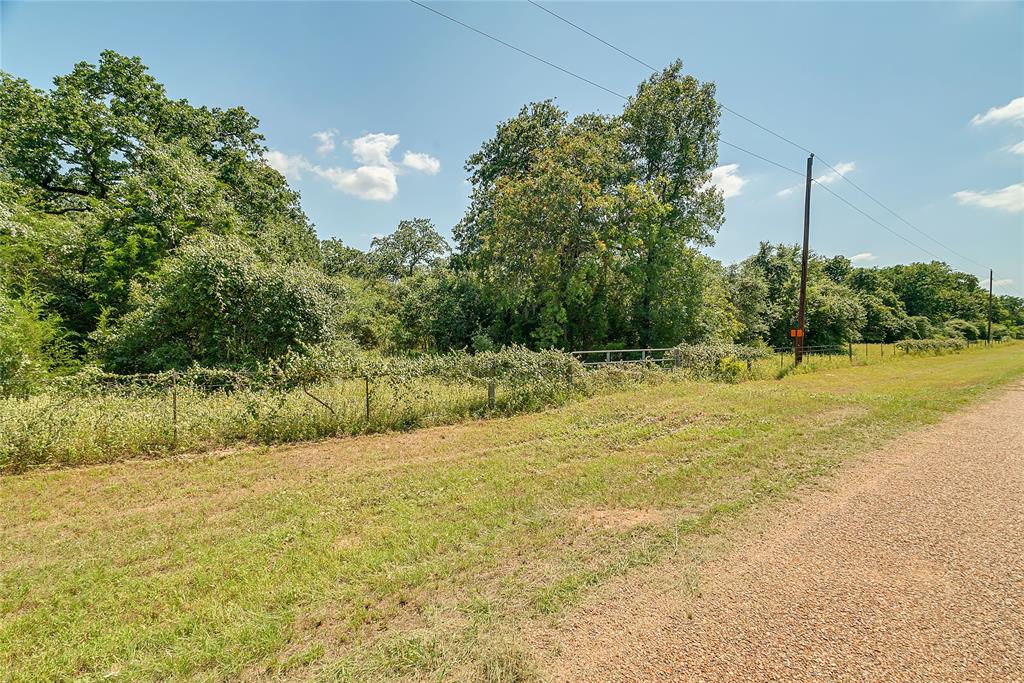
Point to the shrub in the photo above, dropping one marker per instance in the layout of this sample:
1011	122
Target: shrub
217	304
935	346
32	344
718	361
962	329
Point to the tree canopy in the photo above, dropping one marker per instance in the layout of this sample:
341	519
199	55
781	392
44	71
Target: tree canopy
142	233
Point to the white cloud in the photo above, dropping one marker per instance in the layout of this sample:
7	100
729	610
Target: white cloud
421	162
325	141
1017	149
287	165
376	179
863	257
841	169
727	179
833	176
367	182
374	149
1014	111
1002	283
1010	198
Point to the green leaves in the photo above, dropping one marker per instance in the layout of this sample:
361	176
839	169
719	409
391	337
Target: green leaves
581	229
217	304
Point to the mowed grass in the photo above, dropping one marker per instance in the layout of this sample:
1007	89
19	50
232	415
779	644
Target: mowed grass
421	555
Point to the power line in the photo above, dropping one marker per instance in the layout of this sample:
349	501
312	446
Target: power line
573	73
725	142
901	218
643	63
873	219
595	37
519	50
758	156
771	132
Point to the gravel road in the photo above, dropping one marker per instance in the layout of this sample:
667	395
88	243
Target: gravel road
909	567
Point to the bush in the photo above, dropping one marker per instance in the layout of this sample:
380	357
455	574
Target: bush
935	346
217	304
962	329
718	361
32	345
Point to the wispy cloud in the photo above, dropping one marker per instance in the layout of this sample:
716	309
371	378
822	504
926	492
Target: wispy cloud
727	179
863	257
1013	111
1016	149
325	141
1004	282
1010	198
375	179
421	162
833	176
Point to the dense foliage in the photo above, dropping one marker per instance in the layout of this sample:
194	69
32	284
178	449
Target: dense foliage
144	233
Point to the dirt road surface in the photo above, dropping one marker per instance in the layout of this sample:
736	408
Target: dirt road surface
908	567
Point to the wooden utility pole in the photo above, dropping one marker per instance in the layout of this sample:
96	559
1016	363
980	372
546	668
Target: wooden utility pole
801	317
989	306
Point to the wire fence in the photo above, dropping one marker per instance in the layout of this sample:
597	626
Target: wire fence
99	417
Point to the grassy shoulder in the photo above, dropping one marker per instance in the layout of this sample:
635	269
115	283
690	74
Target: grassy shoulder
419	555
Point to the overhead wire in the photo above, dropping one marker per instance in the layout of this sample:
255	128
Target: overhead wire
749	120
771	132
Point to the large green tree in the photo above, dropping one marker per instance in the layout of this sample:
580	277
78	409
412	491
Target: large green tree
583	231
106	176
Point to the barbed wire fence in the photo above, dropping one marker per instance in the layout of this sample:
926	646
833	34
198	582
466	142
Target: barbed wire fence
202	409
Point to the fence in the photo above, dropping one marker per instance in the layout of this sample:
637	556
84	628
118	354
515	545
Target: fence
101	417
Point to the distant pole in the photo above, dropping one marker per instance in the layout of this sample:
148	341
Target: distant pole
989	306
801	318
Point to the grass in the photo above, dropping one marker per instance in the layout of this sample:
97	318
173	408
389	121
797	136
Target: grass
421	555
90	427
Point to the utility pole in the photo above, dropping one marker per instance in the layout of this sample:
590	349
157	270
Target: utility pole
801	318
989	338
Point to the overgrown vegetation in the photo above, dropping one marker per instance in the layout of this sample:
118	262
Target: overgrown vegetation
398	557
143	234
935	346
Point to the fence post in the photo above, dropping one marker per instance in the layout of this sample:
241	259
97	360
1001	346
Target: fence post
490	394
568	377
850	343
677	358
174	410
366	384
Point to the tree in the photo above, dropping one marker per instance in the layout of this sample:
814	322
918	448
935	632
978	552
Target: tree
217	304
581	230
414	244
338	258
132	174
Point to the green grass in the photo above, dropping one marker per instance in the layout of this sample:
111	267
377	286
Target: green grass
94	426
421	555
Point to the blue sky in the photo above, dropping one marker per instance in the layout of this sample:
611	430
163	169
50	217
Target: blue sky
899	94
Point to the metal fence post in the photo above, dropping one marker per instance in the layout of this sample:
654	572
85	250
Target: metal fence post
850	343
366	384
174	409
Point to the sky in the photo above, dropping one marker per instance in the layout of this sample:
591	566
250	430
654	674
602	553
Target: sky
372	108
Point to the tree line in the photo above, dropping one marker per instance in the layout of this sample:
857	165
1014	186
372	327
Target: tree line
143	233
